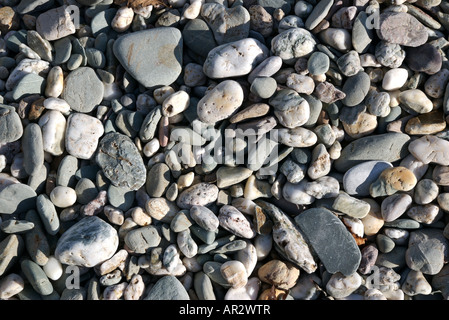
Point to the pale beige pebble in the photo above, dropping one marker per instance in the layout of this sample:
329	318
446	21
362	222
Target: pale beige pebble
193	10
55	82
185	180
415	283
58	104
255	188
318	78
247	292
298	137
369	60
394	79
340	286
122	19
374	294
435	85
301	83
140	216
253	111
175	103
394	98
114	215
161	209
160	94
335	150
151	147
281	274
337	38
373	221
11	285
430	149
320	164
53	268
234	272
365	124
135	288
63	197
117	261
426	214
416	100
114	292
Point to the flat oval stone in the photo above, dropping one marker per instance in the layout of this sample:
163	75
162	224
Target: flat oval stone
402	28
120	161
16	198
201	194
10	124
48	214
161	209
163	58
357	180
33	148
387	147
394	206
204	217
228	176
221	102
319	12
234	59
87	243
158	180
330	239
356	88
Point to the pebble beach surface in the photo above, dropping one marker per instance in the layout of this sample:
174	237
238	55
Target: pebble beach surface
224	150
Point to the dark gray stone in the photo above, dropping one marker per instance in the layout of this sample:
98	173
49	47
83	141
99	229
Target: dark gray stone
198	37
356	88
120	161
330	240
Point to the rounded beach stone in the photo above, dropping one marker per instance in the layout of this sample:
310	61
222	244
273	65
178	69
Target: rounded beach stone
200	194
392	180
231	219
318	63
163	56
83	90
17	198
356	88
63	197
221	102
141	240
425	58
87	243
430	149
158	180
10	124
357	180
121	162
278	273
82	135
234	59
33	148
161	209
204	217
319	12
292	44
402	28
36	277
425	192
394	206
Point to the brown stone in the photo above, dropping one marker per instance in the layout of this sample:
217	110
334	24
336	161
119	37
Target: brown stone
9	20
36	109
281	274
328	93
260	20
427	123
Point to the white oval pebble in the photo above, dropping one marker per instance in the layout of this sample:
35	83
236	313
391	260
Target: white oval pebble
63	197
53	268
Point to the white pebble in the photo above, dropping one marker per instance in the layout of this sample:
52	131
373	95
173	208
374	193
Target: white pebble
235	273
53	268
247	292
11	285
63	197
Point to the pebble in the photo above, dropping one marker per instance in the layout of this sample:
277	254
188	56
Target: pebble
36	277
394	206
388	147
402	28
63	197
292	44
231	219
129	50
279	274
341	286
83	90
424	58
11	248
358	179
55	24
318	13
53	127
201	194
429	149
11	285
240	58
318	63
392	180
221	102
120	161
160	290
87	243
